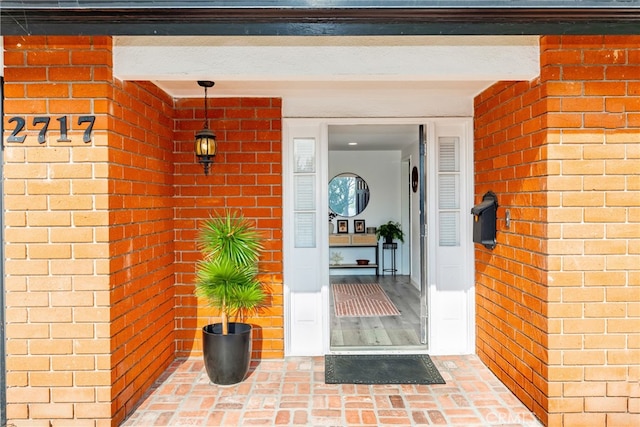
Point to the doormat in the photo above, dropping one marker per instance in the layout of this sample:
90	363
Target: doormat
380	369
361	300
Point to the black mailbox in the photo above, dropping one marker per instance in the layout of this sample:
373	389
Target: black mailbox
484	220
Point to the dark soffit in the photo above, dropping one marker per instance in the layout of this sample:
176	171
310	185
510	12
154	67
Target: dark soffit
319	17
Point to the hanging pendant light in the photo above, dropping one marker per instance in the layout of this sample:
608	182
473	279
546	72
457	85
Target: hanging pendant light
205	144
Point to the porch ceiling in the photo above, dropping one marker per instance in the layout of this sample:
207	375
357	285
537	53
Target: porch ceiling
284	66
278	88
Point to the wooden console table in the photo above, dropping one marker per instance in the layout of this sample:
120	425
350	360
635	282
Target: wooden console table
355	241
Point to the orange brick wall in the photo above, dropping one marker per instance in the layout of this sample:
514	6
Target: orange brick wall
97	234
558	300
59	365
246	176
511	290
89	236
141	240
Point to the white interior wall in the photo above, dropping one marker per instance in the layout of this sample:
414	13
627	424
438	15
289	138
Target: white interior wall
404	264
382	172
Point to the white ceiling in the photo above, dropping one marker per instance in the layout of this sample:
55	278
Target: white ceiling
275	88
372	137
369	137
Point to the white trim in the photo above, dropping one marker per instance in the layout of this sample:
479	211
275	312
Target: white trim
320	127
291	129
470	253
437	346
430	165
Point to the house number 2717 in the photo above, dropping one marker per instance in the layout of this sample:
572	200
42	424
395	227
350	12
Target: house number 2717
18	128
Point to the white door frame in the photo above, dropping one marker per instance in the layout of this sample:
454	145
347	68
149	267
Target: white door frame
439	292
323	294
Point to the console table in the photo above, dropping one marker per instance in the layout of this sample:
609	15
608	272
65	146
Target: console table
355	241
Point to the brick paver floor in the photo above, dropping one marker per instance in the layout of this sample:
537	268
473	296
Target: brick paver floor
292	392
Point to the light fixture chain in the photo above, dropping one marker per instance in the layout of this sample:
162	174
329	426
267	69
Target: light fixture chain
206	111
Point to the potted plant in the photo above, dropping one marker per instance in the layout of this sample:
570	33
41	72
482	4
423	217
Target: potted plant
389	231
227	277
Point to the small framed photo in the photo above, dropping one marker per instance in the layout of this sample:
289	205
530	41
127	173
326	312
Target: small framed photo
358	226
343	226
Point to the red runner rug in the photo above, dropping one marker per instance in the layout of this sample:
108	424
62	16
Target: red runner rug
361	300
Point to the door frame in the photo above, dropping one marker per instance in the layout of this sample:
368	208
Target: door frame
322	133
434	130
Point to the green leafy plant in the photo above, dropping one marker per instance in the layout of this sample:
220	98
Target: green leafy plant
227	276
389	231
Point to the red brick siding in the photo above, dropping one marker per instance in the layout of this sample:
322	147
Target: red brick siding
594	229
89	235
56	237
91	229
511	291
557	306
141	239
246	176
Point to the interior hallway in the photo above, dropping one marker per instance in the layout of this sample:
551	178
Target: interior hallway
379	332
292	392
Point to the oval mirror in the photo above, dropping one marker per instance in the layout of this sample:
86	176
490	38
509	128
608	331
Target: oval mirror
348	194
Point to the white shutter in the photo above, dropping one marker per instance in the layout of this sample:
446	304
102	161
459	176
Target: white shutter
449	191
304	192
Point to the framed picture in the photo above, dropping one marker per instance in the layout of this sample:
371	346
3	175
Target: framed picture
343	226
358	226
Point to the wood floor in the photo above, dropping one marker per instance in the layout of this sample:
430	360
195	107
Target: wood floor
379	332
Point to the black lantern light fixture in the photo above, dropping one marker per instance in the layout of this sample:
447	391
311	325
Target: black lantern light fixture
205	138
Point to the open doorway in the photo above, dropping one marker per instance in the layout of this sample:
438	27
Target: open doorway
374	287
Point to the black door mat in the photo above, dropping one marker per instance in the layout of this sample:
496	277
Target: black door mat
380	369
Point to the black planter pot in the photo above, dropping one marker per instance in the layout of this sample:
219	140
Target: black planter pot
227	357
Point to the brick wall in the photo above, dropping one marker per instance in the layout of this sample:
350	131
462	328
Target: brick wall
57	234
558	299
141	240
97	233
246	176
511	283
89	236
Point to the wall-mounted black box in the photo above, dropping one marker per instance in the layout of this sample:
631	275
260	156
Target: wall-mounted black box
484	220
